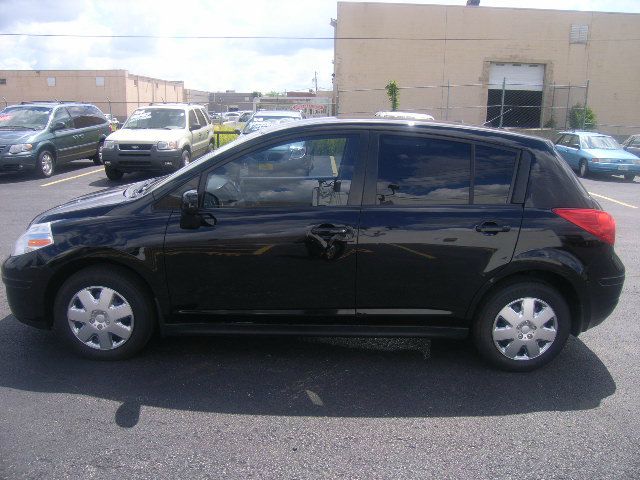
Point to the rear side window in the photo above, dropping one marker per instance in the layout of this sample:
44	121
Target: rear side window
86	116
493	175
423	171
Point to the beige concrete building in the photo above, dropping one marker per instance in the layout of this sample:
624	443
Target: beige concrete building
459	57
113	91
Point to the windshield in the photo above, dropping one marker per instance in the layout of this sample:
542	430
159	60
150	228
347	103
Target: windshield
162	118
31	118
602	142
258	122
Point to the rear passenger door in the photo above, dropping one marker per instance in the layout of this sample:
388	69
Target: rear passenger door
87	121
437	222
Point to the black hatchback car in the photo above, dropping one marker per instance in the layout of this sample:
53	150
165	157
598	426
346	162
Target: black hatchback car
397	229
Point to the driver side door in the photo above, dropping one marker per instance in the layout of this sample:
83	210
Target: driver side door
277	237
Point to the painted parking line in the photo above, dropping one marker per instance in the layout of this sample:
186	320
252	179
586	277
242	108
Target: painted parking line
612	200
71	178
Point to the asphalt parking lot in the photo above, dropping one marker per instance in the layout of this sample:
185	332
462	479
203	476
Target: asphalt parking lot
316	408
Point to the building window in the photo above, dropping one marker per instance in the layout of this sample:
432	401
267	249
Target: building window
3	81
51	81
579	34
99	81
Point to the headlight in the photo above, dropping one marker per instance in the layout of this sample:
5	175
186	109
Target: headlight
173	145
21	147
37	236
108	145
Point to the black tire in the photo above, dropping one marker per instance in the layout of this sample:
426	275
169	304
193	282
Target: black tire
185	159
583	169
46	164
97	158
484	324
112	173
629	177
126	285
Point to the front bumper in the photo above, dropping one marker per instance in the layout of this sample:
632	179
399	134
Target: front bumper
10	162
615	168
145	160
26	279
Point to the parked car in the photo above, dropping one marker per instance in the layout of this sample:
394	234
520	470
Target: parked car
42	136
158	138
404	116
589	152
240	121
268	118
456	232
632	145
215	117
113	121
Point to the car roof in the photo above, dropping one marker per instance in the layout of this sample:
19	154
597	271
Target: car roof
584	133
49	104
425	126
279	113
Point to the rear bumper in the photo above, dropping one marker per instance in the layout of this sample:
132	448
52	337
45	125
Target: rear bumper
615	168
150	160
603	299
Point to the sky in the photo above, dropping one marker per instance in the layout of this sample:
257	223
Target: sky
205	64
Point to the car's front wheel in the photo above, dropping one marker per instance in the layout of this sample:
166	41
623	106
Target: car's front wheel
97	158
522	326
104	313
46	164
629	177
113	173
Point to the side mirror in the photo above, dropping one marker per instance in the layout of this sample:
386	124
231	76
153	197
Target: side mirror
195	126
58	126
190	202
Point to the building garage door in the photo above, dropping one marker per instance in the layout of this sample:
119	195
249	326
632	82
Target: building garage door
523	87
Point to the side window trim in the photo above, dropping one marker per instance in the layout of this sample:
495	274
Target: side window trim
357	181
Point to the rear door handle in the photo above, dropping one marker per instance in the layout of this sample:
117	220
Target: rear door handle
492	228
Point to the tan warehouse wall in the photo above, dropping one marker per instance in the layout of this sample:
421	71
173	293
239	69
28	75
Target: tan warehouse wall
120	94
610	60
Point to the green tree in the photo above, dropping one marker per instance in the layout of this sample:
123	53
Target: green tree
581	117
393	92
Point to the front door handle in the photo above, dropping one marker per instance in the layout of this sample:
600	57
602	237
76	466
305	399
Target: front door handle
492	228
328	231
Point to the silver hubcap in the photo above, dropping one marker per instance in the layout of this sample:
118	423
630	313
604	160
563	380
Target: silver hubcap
47	164
100	318
525	329
100	153
583	169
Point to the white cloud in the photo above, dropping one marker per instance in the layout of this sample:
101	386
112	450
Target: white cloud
208	64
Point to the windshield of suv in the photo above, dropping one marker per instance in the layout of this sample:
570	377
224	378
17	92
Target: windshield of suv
28	118
158	118
602	142
259	122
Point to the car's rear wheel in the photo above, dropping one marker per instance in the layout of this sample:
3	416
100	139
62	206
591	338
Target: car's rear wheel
522	326
583	169
629	177
104	313
113	173
46	164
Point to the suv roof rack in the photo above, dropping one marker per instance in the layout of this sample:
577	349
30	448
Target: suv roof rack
49	101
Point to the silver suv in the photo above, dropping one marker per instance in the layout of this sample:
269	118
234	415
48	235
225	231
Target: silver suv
159	138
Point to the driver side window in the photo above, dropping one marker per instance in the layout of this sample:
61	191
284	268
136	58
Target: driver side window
61	115
301	173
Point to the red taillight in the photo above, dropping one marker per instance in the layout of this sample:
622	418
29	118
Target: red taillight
596	222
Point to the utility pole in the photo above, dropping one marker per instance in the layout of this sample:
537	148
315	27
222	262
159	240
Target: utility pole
315	81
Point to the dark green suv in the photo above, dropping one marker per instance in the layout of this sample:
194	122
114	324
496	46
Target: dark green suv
40	136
